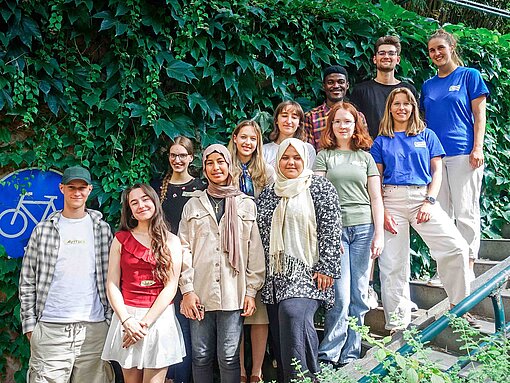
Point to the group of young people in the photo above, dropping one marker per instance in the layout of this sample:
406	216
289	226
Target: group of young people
272	233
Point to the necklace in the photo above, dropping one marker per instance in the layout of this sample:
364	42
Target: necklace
216	204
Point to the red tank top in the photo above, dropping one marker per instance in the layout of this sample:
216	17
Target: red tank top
138	285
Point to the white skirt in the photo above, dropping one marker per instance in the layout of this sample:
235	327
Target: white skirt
161	347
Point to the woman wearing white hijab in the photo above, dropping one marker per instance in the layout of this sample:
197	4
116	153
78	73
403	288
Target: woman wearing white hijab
300	224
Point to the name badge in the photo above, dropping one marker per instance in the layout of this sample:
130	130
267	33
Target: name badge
454	88
420	144
147	283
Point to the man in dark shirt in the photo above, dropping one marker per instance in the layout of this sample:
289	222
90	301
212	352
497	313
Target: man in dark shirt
370	96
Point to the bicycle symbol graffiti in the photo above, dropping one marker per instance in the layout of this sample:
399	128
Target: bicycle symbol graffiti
23	213
28	197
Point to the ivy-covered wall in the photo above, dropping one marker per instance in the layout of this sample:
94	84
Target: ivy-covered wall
106	82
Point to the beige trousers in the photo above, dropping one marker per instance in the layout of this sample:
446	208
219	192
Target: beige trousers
460	198
446	245
68	352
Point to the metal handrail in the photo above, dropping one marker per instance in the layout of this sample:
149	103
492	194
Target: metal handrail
492	288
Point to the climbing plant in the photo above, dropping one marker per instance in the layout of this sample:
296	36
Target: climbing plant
106	83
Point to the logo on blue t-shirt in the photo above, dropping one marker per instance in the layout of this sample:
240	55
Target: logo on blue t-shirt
28	197
454	88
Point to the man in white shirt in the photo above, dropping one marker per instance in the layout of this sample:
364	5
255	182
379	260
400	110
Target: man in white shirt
64	308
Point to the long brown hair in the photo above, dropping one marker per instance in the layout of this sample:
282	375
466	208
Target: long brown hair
257	166
360	138
187	144
158	230
415	124
292	106
451	41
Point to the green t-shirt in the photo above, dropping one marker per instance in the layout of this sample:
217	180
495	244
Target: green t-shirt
349	171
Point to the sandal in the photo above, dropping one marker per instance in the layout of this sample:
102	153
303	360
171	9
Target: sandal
473	322
244	379
255	378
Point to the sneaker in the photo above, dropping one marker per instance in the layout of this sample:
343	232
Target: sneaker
373	298
435	281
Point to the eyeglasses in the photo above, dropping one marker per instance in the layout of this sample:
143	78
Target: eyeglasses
182	157
389	53
343	124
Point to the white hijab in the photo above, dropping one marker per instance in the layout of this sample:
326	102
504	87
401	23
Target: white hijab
293	240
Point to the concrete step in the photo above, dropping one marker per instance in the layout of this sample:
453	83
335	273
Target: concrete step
486	310
426	296
441	358
375	318
450	342
376	321
483	265
494	249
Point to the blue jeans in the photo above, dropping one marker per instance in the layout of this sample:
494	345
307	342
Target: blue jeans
219	333
341	344
181	372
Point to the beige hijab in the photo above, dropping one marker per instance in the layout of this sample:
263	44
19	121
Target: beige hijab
293	240
230	240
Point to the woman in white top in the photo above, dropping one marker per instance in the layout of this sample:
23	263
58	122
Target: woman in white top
287	123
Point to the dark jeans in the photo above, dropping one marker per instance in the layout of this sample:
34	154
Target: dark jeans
181	372
293	332
219	333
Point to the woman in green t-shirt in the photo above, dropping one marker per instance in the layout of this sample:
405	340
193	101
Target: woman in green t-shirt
345	162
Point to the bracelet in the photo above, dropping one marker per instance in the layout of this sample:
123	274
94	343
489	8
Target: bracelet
125	320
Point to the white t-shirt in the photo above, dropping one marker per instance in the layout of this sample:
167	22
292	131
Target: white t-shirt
73	294
270	151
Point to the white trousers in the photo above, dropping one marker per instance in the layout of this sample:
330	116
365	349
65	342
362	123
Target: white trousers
460	198
446	245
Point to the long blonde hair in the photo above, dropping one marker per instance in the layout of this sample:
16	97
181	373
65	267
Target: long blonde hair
415	125
257	166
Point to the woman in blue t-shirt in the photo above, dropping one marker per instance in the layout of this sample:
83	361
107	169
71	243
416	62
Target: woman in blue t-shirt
408	156
454	102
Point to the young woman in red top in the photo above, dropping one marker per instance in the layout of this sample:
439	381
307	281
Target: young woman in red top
144	267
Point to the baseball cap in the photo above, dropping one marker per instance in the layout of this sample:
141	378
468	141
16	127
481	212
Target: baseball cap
76	173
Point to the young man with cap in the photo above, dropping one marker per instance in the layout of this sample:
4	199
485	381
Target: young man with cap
370	96
335	83
64	308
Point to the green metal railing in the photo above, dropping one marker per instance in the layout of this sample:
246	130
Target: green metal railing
491	288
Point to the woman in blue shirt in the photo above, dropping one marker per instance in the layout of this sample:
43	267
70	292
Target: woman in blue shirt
454	102
408	156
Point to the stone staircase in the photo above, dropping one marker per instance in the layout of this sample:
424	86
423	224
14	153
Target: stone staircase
433	303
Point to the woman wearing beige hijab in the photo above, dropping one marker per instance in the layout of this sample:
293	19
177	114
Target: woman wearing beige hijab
300	225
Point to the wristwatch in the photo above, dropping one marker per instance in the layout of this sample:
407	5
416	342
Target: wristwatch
430	200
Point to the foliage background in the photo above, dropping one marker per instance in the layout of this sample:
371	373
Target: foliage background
106	82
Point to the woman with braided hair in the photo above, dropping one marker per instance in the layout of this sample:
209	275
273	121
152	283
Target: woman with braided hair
174	192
